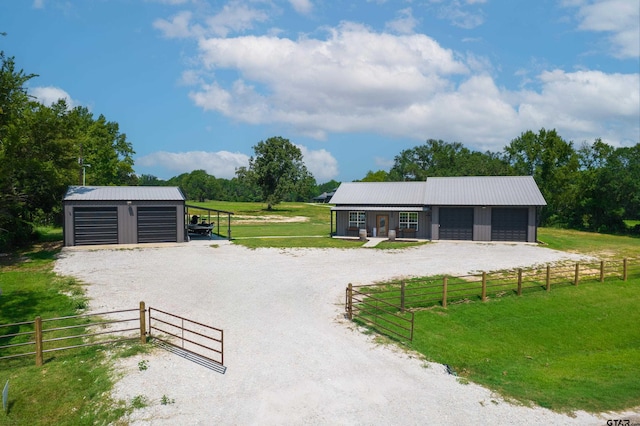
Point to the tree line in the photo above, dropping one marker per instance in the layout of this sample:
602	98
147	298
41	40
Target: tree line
44	149
593	187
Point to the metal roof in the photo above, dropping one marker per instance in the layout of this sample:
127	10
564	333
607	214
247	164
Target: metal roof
442	191
380	193
124	193
484	190
380	208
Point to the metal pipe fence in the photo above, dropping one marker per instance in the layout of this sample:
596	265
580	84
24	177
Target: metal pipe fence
362	302
41	336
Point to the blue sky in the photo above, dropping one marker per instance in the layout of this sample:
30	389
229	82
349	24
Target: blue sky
196	84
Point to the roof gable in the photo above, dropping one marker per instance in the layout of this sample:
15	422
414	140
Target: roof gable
380	193
484	190
453	191
123	193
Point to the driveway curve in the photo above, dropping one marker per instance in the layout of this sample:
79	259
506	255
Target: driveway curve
291	357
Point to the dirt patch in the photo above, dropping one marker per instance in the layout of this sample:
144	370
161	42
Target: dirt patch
246	219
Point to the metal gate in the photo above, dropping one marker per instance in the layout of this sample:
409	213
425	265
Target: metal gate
95	225
157	225
195	341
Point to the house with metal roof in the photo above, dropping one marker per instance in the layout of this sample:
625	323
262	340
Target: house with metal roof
478	208
123	215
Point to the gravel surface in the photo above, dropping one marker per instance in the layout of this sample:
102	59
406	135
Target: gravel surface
291	356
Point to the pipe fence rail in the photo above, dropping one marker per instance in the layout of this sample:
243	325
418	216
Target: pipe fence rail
200	339
41	336
385	307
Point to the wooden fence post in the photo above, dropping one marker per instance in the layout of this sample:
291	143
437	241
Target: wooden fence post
602	271
548	279
143	324
576	278
624	269
350	302
519	281
402	296
39	357
484	286
444	291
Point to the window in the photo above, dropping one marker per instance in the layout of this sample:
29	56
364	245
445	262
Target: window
409	220
356	220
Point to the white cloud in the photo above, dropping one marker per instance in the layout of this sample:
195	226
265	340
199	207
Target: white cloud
460	15
235	17
585	103
48	95
406	85
338	84
404	23
619	18
303	7
320	163
38	4
178	27
221	164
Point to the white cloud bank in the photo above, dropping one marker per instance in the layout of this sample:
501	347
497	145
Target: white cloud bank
403	84
223	164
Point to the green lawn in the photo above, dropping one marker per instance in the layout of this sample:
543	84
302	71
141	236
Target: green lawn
72	387
604	246
576	348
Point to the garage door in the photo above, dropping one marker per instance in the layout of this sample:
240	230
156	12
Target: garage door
157	225
95	225
456	223
509	224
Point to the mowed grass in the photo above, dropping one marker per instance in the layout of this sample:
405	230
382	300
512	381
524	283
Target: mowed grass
576	348
604	246
72	388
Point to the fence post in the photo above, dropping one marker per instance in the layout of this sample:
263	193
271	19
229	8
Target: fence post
39	357
576	278
444	291
484	286
143	324
602	271
350	301
624	269
548	277
402	297
519	281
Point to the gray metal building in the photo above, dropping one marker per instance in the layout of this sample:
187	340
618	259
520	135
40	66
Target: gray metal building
123	215
479	208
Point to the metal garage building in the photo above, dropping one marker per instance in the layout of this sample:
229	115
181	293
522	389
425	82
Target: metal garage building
478	208
123	215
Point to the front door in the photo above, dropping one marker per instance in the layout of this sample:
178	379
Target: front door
382	222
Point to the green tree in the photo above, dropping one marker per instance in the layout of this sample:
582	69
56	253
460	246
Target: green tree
608	187
439	158
277	169
379	176
554	164
14	100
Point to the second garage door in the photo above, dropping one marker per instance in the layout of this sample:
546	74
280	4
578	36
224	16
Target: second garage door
456	223
509	224
157	225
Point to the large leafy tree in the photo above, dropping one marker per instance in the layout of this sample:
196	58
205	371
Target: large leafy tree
608	187
40	147
554	164
277	169
439	158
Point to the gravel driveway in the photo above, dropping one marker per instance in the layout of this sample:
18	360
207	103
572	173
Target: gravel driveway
291	357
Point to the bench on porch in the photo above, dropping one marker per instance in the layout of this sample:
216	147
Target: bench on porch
406	232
